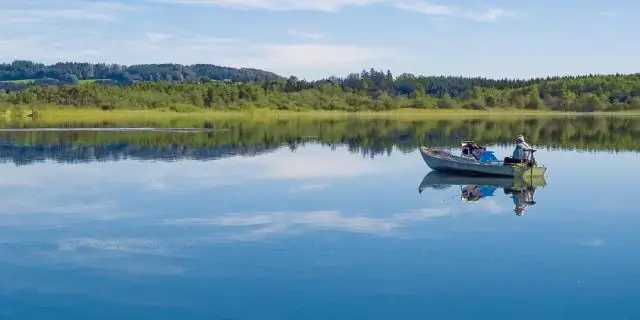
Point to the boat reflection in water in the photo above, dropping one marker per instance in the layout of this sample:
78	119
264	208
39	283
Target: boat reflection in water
474	188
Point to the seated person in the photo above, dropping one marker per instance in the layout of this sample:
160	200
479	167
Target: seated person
519	155
473	149
477	153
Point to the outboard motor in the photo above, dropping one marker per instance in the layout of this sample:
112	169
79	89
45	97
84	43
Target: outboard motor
530	157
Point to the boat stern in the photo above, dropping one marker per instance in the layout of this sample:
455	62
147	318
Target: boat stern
535	171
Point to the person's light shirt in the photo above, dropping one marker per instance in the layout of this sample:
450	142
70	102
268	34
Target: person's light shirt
519	151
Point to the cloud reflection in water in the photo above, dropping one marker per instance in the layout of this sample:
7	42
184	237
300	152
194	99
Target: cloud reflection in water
264	224
91	215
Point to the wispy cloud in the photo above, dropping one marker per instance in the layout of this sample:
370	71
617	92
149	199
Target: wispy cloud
155	37
307	187
608	14
160	47
439	10
26	211
295	58
58	36
126	255
306	34
42	11
428	8
280	5
129	245
256	226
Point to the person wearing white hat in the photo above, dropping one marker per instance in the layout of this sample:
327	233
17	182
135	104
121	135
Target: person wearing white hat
519	154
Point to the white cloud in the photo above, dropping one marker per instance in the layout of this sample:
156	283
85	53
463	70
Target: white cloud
438	10
280	5
53	41
304	60
314	61
306	34
301	56
264	224
42	11
428	8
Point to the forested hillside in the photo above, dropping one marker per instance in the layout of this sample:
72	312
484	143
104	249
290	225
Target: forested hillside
187	88
20	74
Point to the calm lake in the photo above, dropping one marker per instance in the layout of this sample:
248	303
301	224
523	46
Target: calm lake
316	220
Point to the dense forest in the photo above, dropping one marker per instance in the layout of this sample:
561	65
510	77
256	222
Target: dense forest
368	137
187	88
21	74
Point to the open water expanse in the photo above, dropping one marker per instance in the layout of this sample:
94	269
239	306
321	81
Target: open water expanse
318	221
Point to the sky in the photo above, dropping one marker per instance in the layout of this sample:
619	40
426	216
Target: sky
313	39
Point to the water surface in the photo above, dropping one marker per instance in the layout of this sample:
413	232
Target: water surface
273	224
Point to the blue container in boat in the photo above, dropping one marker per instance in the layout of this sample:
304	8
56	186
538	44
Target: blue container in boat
487	156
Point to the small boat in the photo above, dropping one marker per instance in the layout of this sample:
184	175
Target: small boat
476	159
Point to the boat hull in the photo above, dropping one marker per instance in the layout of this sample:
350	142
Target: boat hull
443	161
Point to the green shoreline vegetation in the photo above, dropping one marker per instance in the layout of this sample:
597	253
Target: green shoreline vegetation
160	90
61	115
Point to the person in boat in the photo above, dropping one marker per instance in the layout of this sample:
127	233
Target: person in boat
473	149
520	152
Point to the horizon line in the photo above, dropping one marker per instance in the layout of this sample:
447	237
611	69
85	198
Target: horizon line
395	76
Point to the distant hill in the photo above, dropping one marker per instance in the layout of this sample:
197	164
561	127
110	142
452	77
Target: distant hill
21	73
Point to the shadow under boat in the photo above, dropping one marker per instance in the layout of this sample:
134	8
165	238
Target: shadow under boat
476	187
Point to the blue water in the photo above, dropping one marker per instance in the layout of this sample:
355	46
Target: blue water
315	234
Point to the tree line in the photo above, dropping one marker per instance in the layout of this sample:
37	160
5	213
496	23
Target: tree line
368	137
367	90
589	93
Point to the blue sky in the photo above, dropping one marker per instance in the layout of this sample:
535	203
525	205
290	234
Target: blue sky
320	38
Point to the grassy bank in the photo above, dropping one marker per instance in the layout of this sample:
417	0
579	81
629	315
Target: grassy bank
57	114
82	117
